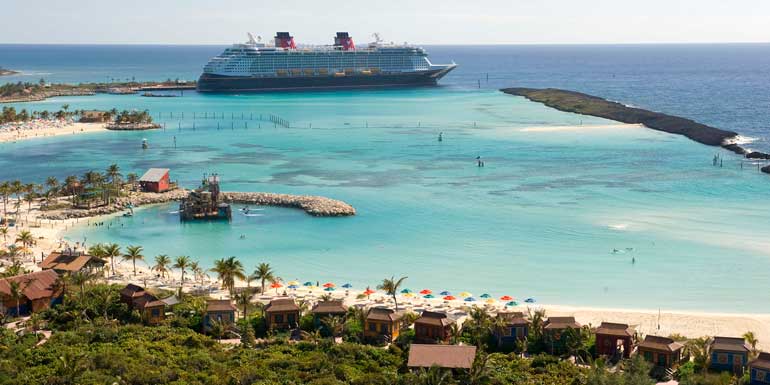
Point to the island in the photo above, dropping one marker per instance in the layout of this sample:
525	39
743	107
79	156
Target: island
7	72
584	104
32	92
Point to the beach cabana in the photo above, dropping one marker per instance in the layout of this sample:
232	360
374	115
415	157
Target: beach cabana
151	309
40	290
220	310
614	340
442	356
516	329
382	324
325	309
553	330
155	180
729	354
70	261
661	351
282	314
129	292
759	369
432	327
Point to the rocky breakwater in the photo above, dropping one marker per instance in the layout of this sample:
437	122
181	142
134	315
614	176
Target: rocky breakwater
580	103
314	205
132	126
118	205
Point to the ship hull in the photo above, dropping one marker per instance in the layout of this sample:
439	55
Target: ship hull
221	83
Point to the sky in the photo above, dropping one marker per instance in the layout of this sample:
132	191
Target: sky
413	21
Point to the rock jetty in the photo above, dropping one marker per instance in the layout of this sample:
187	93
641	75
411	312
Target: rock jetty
314	205
132	126
580	103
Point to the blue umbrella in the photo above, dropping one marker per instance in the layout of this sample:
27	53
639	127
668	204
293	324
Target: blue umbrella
293	286
308	283
470	299
347	286
329	289
406	291
512	303
529	300
485	295
445	293
428	296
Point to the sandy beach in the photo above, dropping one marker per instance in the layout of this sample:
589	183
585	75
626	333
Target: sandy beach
45	128
48	237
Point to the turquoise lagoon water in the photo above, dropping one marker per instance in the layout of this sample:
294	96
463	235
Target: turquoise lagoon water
540	219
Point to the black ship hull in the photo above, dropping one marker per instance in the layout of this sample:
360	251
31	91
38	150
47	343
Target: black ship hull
221	83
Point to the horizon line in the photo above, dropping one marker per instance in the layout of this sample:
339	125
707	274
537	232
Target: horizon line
429	44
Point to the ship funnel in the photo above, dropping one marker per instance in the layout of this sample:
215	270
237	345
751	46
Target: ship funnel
344	42
284	40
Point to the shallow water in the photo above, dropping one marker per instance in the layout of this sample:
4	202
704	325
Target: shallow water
540	219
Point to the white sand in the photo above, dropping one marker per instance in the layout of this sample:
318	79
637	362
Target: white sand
41	129
690	324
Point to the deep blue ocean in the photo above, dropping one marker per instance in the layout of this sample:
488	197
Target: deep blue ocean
724	85
569	209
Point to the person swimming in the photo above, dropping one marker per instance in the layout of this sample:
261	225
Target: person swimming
440	136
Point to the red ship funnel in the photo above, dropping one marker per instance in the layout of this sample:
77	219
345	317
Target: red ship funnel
344	41
284	40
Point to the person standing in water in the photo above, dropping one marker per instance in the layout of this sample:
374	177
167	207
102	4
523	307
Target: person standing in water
440	136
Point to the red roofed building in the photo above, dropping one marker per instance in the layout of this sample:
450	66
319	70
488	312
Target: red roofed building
155	180
40	290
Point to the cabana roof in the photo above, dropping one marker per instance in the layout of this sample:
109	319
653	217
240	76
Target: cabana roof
329	307
443	356
68	261
37	285
558	323
730	344
761	362
433	318
154	175
219	305
663	344
514	318
281	305
615	329
383	314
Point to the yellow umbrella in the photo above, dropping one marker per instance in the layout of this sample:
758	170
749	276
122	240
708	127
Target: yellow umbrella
410	295
466	294
293	283
490	300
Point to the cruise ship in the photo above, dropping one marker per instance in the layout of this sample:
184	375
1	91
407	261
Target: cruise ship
255	66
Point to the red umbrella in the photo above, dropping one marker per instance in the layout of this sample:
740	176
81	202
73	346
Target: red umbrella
369	292
275	285
426	292
450	298
329	284
506	298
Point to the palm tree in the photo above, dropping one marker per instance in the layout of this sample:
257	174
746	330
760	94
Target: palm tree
13	252
29	198
5	193
197	271
16	292
243	299
4	233
333	324
71	183
132	254
700	350
752	340
161	264
25	237
52	183
228	269
264	273
182	263
112	251
113	172
391	286
455	332
81	279
435	376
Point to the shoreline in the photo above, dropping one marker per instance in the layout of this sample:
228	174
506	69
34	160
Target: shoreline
585	104
693	324
42	129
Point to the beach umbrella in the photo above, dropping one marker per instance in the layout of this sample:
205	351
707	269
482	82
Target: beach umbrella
449	298
445	293
410	295
275	285
466	294
293	283
425	291
330	288
293	286
512	303
347	286
428	296
308	283
470	299
530	300
329	284
490	300
485	295
369	292
506	298
405	291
